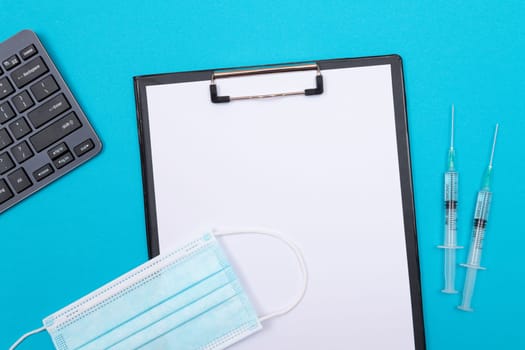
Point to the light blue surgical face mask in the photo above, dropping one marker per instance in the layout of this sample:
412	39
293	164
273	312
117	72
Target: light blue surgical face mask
190	299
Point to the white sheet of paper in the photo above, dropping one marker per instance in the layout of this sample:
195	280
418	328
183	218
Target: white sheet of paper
323	170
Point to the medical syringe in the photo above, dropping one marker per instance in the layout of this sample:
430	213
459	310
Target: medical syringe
451	203
481	215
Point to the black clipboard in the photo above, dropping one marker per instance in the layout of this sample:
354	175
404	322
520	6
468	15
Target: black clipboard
395	62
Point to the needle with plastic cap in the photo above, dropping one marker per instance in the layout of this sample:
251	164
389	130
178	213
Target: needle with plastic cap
481	215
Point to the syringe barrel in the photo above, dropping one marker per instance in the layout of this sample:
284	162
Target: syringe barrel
481	215
451	202
451	186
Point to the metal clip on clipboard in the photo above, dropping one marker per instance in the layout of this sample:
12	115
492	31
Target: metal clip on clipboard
215	98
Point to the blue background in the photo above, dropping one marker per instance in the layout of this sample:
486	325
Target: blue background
88	228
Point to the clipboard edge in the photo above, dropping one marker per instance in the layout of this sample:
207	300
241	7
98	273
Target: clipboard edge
146	169
407	198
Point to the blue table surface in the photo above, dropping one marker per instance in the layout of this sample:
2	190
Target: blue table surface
88	228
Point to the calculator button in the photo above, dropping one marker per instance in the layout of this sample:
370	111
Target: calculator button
28	52
63	160
5	192
56	131
19	128
19	180
48	110
5	139
21	152
84	147
44	88
43	172
22	101
6	112
6	88
6	163
11	62
58	150
29	72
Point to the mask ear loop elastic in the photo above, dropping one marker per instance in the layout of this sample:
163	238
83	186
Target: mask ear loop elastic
28	334
298	255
